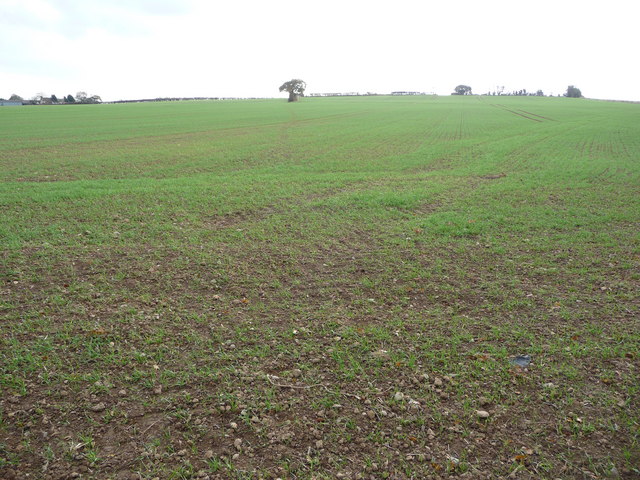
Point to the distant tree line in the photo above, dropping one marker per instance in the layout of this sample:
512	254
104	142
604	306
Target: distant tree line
182	99
42	99
367	94
571	92
295	88
516	93
80	99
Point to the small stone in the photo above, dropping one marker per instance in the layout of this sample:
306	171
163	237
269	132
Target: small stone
235	456
157	389
398	397
380	354
437	382
182	453
371	414
319	444
482	414
548	385
237	443
233	425
99	407
122	393
296	373
208	455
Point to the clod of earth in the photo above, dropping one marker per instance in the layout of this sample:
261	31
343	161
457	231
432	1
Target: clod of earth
99	407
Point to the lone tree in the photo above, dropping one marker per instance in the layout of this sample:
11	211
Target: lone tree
573	92
462	90
295	87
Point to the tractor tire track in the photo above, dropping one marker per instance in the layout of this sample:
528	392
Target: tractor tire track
539	116
515	112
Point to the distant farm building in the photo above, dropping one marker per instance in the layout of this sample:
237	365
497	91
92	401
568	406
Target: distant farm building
10	103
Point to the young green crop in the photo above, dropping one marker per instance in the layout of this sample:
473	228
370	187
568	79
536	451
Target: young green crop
188	274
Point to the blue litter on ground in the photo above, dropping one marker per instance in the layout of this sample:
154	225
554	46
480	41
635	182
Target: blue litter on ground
520	360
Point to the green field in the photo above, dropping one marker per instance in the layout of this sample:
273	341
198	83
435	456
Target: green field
332	288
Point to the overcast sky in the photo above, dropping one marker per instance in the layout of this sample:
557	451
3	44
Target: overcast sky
127	49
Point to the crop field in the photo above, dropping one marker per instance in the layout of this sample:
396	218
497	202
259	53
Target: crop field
357	288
